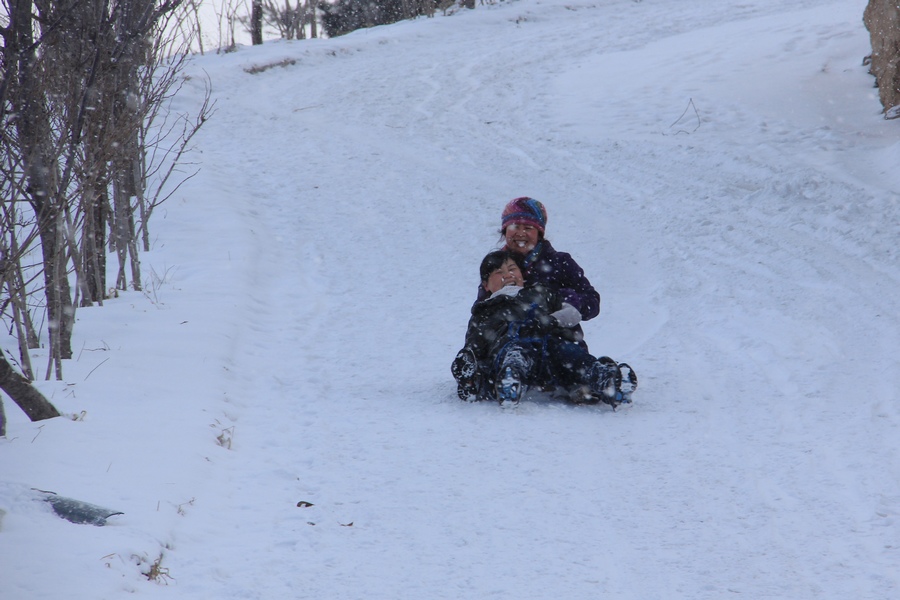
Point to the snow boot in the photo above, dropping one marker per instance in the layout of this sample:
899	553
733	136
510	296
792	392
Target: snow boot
605	381
509	386
629	382
465	372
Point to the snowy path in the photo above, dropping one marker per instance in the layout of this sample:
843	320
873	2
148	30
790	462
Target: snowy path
358	300
753	328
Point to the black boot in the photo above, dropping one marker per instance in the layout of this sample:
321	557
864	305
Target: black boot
605	379
629	382
465	372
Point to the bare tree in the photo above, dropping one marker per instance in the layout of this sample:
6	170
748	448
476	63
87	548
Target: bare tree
17	72
286	19
227	21
81	82
256	22
25	395
311	18
39	151
196	23
20	233
165	139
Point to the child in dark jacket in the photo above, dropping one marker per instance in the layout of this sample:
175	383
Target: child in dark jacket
518	337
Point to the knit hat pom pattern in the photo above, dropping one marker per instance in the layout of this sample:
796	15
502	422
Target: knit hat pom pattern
525	211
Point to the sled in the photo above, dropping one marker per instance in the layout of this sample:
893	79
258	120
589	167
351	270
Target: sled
76	511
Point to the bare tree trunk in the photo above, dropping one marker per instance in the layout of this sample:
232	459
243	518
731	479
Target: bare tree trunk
35	137
94	244
195	9
11	275
120	229
144	211
12	280
256	19
297	19
75	255
60	309
17	387
20	317
124	234
311	15
137	175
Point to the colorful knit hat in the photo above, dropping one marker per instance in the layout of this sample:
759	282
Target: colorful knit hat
526	211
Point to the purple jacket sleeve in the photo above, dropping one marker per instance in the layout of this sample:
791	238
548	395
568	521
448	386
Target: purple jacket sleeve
574	288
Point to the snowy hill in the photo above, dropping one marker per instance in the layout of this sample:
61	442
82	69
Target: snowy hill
275	416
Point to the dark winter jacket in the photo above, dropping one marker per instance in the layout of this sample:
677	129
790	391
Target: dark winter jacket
559	272
502	318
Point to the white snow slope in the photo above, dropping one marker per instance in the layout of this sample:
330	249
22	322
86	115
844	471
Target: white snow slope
721	171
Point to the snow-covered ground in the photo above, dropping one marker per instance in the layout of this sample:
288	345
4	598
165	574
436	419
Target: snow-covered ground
721	171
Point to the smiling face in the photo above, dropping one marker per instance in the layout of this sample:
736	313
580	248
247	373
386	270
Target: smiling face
521	238
508	274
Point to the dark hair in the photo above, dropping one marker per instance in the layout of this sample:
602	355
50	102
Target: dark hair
494	260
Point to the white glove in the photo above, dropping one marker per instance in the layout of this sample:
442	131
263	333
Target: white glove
567	316
510	290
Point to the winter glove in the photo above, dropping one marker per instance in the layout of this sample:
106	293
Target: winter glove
567	316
